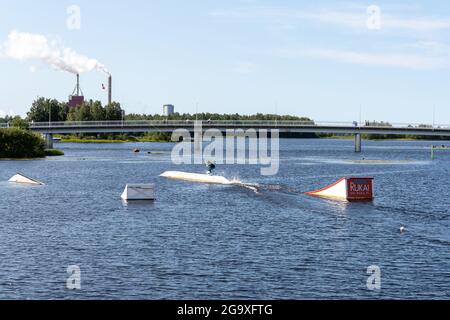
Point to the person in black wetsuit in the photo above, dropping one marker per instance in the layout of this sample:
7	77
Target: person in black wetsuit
211	166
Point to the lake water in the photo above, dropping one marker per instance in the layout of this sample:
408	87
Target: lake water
201	241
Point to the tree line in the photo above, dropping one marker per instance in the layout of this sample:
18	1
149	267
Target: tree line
45	110
217	116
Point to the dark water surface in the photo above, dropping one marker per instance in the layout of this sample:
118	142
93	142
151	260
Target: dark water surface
225	242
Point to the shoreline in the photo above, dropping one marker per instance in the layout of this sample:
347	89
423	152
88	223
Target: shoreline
386	139
105	141
90	141
51	153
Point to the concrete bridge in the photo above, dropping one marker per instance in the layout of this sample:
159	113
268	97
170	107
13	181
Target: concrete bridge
352	128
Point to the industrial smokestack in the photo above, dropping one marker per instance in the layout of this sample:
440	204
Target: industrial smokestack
110	90
78	84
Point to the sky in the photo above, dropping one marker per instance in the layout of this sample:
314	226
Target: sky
334	61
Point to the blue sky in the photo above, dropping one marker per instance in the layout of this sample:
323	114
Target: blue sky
326	60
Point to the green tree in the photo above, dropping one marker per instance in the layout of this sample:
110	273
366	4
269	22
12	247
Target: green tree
113	112
6	119
72	114
18	122
42	108
94	111
18	144
84	113
98	113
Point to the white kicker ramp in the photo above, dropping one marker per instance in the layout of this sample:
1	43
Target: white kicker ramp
350	189
20	178
139	192
195	177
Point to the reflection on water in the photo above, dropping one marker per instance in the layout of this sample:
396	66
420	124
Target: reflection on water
201	241
141	204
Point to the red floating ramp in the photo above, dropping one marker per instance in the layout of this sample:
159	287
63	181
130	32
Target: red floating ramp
350	189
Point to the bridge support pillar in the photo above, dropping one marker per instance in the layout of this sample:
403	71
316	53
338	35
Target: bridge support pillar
358	143
49	140
198	136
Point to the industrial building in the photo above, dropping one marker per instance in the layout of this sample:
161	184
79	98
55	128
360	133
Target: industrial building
77	97
168	110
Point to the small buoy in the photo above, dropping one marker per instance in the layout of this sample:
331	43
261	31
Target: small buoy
402	229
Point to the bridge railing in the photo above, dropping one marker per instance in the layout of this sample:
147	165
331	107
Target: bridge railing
174	123
231	123
134	123
223	123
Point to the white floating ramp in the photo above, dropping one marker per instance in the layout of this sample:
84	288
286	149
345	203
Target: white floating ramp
139	192
21	178
196	177
350	189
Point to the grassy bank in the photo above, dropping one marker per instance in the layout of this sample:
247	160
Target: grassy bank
120	138
54	153
74	140
379	138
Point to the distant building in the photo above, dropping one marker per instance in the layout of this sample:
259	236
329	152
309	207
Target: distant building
76	101
168	110
77	98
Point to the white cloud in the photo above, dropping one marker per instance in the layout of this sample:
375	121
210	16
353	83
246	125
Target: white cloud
419	24
348	17
335	17
388	22
408	61
432	47
398	21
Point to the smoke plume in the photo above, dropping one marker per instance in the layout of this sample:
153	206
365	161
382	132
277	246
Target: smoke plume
27	46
